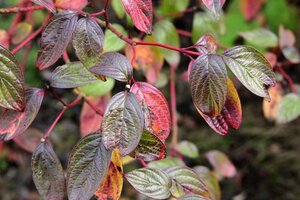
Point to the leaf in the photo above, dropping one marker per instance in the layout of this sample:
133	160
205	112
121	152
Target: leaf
71	75
149	59
215	6
251	68
188	149
231	114
221	163
4	38
113	65
90	121
123	123
176	190
140	12
193	197
204	23
208	84
165	33
260	37
88	41
287	41
118	8
250	8
71	4
210	180
89	161
271	109
47	4
56	37
188	179
150	148
288	108
206	44
98	88
166	163
153	183
155	108
169	7
47	172
13	123
113	42
12	92
29	140
112	184
21	32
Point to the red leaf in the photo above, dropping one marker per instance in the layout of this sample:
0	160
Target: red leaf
90	121
13	123
47	4
29	140
71	4
231	114
4	38
286	37
250	8
140	12
155	108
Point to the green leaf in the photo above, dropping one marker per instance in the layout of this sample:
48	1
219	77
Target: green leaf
210	180
208	84
98	88
251	68
153	183
47	172
165	33
260	37
89	161
21	32
71	75
149	148
123	123
291	53
166	163
188	149
12	92
204	23
113	42
176	189
170	6
88	41
118	8
113	65
56	37
188	179
289	108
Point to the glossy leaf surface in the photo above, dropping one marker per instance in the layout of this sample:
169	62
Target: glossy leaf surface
88	41
165	33
221	163
208	84
188	179
89	161
140	12
47	4
260	37
193	197
112	184
153	183
55	38
251	68
12	92
113	65
155	108
47	172
123	123
13	123
71	75
231	114
214	5
150	148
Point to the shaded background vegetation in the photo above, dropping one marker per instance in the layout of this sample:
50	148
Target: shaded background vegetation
265	154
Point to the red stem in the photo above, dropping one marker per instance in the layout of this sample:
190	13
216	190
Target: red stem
93	107
288	78
184	33
173	106
66	57
19	9
28	39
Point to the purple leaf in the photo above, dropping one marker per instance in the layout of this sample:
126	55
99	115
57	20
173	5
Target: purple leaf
47	4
